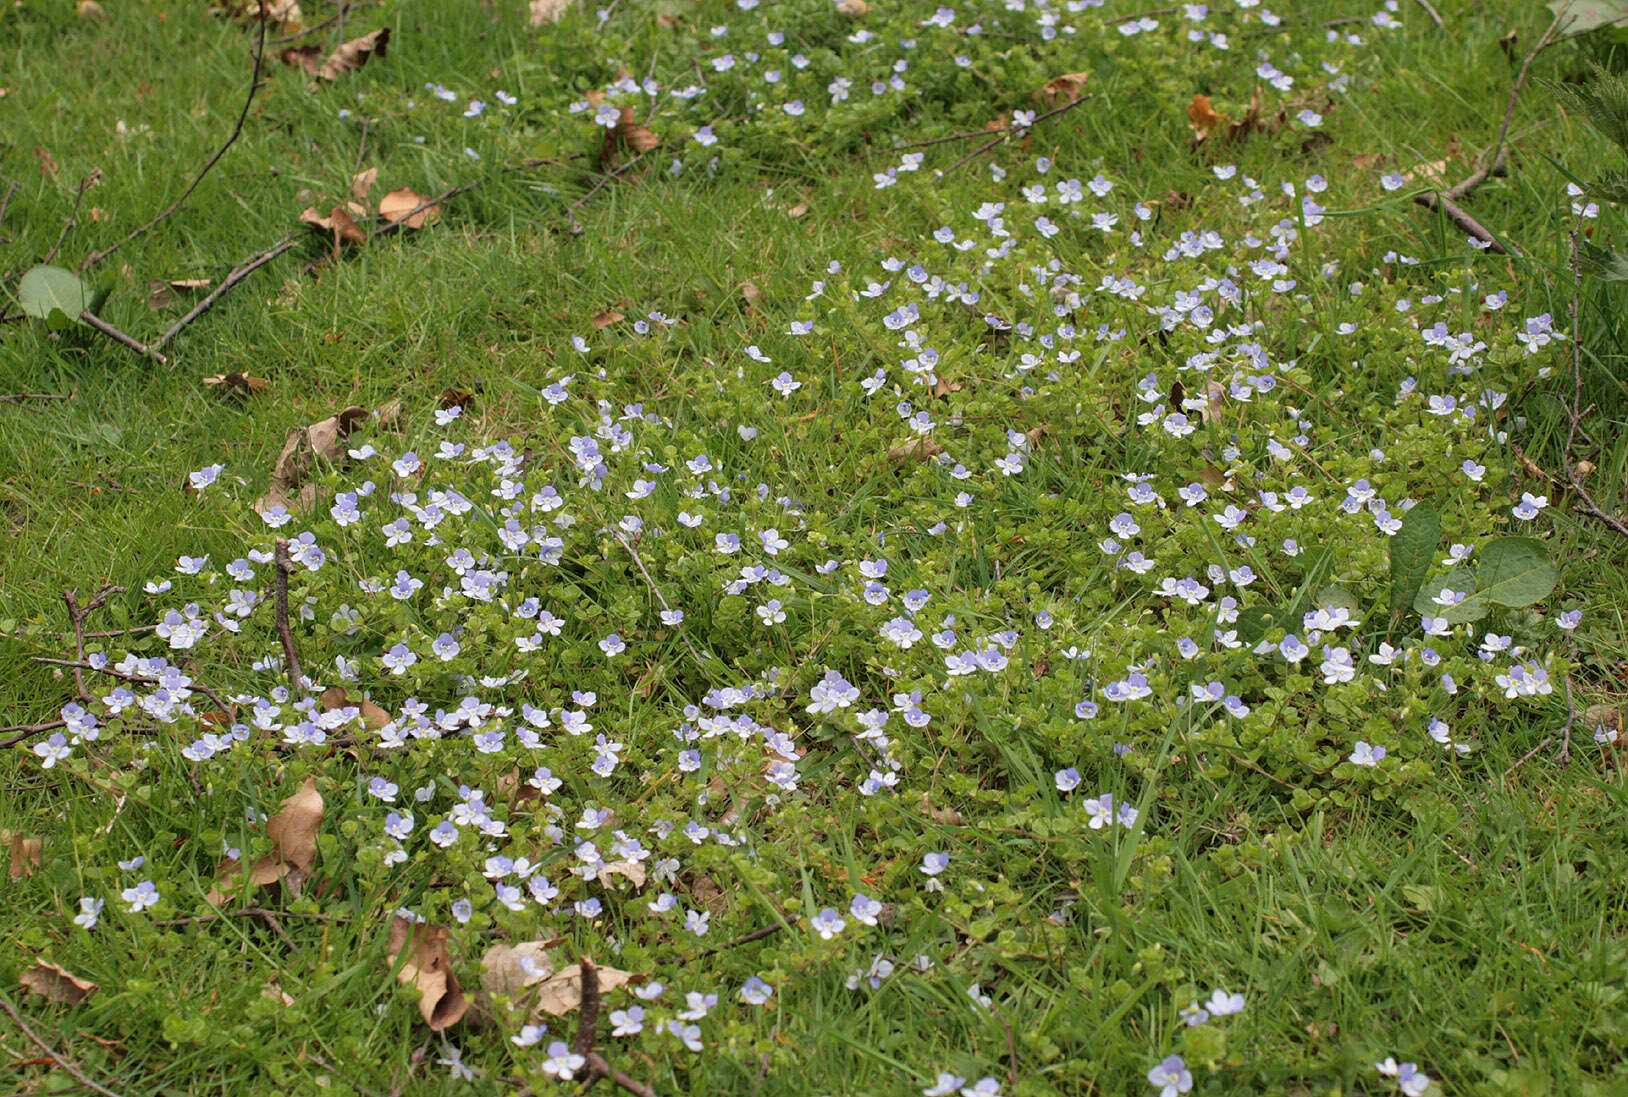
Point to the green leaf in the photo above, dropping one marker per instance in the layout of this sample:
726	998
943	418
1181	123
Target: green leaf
1606	264
1334	596
46	290
1412	549
1515	571
1612	187
1582	16
1461	580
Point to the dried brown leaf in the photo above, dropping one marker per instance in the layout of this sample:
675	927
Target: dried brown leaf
1204	118
334	697
238	383
301	450
547	11
631	870
25	853
513	969
396	205
915	449
562	992
293	834
354	54
308	59
1062	89
750	295
428	966
163	294
57	985
636	136
362	182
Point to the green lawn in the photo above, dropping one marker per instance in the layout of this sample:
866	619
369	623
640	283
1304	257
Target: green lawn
952	582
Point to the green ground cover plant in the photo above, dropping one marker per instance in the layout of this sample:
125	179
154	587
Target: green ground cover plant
1025	548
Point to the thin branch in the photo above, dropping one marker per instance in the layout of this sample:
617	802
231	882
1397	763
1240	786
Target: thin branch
114	672
588	1015
119	336
84	1079
28	731
1009	129
1437	201
602	1069
755	935
238	274
237	131
19	397
639	563
85	184
290	655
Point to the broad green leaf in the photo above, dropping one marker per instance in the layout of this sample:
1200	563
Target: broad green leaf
1515	571
1581	16
1412	549
1254	621
1612	187
45	290
1334	596
1606	264
1461	580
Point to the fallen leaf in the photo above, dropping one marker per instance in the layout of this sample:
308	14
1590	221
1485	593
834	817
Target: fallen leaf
304	446
513	969
547	11
339	222
25	853
238	383
163	294
1203	117
457	398
273	992
915	449
605	319
632	870
57	985
293	834
334	697
943	387
362	182
308	58
48	163
88	9
396	205
562	992
428	966
635	136
354	54
798	210
1062	89
853	9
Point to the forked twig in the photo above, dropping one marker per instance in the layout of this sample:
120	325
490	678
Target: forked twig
238	274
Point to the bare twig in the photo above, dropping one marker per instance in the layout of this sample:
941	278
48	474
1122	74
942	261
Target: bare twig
1002	134
238	274
84	1079
85	184
588	1015
1435	200
119	336
602	1069
639	563
755	935
237	131
1430	10
114	672
290	655
28	731
19	397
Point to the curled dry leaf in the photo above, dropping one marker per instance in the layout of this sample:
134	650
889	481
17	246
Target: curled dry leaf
750	295
853	9
293	834
164	294
334	697
605	319
362	182
562	992
339	222
239	384
915	449
1062	89
511	970
57	985
421	951
304	446
25	853
636	136
547	11
349	57
396	206
1207	121
631	870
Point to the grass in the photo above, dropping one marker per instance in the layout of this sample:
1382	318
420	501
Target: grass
1458	911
